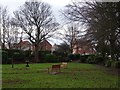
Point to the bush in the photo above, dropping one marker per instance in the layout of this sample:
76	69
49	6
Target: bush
91	59
111	63
27	55
117	64
77	56
4	56
98	59
71	57
61	55
51	58
42	56
83	58
19	57
108	63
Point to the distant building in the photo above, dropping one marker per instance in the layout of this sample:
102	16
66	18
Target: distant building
44	46
22	45
82	47
54	48
26	45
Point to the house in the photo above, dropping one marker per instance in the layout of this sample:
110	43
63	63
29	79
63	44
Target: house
54	48
22	45
45	46
82	46
26	45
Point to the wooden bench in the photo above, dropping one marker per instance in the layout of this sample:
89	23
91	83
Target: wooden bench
54	69
63	65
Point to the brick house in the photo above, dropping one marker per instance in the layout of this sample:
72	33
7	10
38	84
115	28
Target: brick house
44	46
26	45
82	47
23	45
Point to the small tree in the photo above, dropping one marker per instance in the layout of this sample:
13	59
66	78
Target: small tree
71	33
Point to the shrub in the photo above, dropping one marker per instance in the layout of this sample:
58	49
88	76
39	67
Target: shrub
77	56
117	64
62	56
91	59
99	59
11	52
108	63
27	55
4	56
19	57
83	58
51	58
71	57
42	56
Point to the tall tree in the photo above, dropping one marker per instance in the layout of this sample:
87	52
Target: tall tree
36	19
0	28
101	21
4	21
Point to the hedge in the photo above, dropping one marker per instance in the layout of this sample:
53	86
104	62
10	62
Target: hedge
51	58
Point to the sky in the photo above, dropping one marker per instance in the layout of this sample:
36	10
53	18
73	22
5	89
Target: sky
56	6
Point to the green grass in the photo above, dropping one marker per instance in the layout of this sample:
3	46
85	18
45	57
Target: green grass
75	76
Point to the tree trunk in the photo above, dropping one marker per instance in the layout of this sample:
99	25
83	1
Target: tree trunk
36	54
9	45
3	45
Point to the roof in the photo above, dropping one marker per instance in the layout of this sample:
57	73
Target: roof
45	42
24	42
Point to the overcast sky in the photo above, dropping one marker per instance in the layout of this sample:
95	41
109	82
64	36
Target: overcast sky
56	5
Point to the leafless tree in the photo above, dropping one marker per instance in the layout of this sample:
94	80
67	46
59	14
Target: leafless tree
102	22
70	34
6	28
4	21
0	28
36	19
12	36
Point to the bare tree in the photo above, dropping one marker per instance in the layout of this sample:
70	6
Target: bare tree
71	33
0	27
4	25
12	36
36	19
101	20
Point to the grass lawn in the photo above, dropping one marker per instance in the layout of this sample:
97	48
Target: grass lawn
77	75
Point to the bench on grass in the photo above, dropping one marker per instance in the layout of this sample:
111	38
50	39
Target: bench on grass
63	65
54	69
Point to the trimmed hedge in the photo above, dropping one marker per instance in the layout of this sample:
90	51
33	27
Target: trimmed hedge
18	56
83	58
71	57
74	57
51	58
4	56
